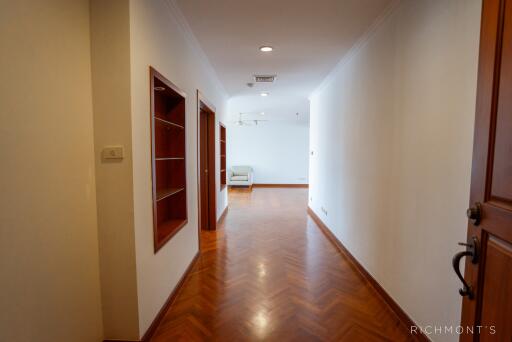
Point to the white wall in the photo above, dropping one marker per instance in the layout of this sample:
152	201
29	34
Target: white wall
110	57
391	131
159	38
50	288
277	151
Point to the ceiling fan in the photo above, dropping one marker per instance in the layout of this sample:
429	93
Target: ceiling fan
247	122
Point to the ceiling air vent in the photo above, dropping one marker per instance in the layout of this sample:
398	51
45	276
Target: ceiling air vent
264	78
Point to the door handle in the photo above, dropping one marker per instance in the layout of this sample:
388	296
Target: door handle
474	214
471	251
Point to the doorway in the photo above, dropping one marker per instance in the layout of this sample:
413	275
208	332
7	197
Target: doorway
206	164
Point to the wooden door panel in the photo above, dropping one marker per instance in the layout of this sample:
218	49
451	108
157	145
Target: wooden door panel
501	188
484	100
497	292
203	176
489	303
497	220
207	189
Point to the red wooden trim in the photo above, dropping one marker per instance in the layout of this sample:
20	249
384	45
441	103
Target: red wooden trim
170	300
203	103
223	162
198	168
206	104
168	83
262	185
152	75
161	243
486	106
401	314
223	215
153	72
212	178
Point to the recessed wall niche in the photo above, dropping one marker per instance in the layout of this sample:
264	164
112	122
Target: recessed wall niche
168	158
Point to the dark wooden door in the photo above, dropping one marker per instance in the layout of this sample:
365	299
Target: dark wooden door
203	169
487	300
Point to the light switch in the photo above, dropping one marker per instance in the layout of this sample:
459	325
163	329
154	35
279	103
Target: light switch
112	152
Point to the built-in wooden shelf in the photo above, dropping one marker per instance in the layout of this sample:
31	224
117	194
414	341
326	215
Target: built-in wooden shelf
222	140
167	159
168	123
170	158
169	228
164	193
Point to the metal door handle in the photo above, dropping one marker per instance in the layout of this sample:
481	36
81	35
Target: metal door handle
472	251
475	214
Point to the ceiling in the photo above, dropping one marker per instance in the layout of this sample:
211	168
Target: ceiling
290	109
309	38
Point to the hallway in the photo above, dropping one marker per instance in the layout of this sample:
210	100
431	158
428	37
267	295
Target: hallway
269	273
374	134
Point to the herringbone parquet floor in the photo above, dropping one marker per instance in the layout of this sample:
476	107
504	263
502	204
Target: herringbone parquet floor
269	274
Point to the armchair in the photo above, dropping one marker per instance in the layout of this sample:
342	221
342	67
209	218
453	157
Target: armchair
241	175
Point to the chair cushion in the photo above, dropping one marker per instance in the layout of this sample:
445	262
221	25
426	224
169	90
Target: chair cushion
241	170
239	178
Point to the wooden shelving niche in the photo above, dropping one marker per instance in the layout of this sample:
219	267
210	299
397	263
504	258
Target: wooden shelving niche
223	171
167	158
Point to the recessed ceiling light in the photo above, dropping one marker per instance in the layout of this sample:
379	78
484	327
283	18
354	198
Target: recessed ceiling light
266	48
264	93
262	113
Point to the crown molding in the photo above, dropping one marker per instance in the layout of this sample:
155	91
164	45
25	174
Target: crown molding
357	47
192	41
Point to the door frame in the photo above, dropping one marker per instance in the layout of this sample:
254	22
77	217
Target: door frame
203	103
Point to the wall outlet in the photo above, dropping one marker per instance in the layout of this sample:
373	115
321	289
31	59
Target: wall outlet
324	211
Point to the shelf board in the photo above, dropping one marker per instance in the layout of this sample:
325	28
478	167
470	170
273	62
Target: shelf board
168	123
168	228
170	158
164	193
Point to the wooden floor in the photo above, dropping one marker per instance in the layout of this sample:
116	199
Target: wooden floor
268	273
